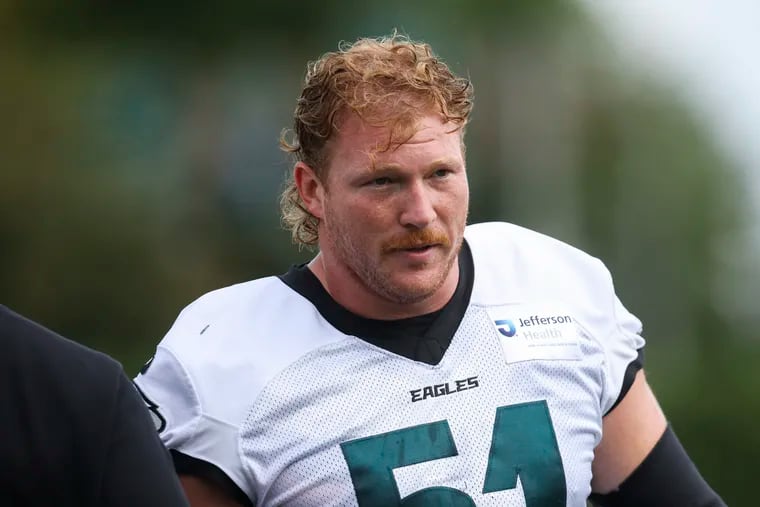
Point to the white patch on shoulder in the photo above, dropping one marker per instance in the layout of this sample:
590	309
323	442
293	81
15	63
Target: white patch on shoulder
532	332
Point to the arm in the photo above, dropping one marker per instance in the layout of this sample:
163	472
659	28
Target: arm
206	484
629	433
138	469
641	462
204	493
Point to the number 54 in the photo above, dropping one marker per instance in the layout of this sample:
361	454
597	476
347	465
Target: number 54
523	444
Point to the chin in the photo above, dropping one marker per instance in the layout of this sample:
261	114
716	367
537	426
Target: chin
402	291
409	297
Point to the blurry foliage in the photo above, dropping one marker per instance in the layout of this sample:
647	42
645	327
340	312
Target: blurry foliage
139	169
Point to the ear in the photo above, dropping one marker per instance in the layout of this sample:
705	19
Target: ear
310	189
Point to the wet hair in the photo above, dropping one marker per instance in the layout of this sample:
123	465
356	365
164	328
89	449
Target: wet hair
389	81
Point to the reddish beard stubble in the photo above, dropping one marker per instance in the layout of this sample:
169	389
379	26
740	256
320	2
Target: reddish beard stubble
378	280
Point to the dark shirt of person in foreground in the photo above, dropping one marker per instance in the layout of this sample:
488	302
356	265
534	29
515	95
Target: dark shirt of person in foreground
73	429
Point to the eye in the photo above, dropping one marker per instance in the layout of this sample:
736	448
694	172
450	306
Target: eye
380	182
441	173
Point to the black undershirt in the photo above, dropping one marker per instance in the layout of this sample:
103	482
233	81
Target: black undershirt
423	338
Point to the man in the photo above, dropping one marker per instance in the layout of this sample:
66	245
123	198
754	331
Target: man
413	361
75	431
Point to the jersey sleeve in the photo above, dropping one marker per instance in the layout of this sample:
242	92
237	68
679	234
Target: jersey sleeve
623	346
195	437
541	267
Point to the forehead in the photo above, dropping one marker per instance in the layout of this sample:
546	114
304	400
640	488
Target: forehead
361	144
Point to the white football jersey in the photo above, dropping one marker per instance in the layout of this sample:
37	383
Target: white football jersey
255	380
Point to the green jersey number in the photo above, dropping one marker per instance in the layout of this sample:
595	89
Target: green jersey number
523	444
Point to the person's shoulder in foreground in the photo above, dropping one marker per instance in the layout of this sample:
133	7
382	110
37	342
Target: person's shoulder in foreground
414	360
75	430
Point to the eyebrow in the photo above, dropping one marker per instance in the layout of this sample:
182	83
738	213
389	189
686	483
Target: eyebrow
439	162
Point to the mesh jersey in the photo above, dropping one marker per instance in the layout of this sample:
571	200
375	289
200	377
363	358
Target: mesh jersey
251	378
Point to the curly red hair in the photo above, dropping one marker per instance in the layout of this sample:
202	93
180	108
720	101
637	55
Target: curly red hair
385	81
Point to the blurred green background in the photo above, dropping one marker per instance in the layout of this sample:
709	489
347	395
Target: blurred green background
139	168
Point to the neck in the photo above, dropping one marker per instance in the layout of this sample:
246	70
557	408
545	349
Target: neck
351	293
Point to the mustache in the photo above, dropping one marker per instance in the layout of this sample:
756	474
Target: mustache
417	239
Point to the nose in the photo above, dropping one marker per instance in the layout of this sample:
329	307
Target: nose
417	207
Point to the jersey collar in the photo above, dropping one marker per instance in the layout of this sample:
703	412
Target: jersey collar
422	338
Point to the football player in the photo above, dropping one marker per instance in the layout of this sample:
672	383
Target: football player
415	360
